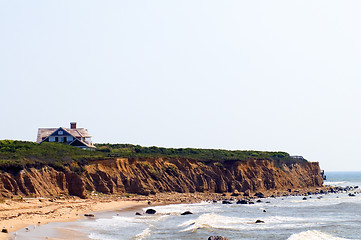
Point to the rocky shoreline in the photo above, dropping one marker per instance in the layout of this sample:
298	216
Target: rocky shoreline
16	214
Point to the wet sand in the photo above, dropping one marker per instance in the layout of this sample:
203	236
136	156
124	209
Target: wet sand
31	212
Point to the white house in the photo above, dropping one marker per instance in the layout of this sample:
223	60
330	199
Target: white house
78	137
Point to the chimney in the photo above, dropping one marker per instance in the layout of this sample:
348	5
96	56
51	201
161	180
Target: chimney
73	125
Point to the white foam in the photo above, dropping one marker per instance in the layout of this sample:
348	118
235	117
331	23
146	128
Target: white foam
176	209
212	220
145	233
329	183
314	235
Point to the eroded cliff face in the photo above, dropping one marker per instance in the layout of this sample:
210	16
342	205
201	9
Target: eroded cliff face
149	176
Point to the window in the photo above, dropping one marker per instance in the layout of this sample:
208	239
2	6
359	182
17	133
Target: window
56	139
60	132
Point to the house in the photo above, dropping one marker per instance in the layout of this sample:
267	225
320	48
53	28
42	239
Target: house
78	137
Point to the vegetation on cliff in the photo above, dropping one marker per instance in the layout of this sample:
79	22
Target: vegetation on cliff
16	155
129	150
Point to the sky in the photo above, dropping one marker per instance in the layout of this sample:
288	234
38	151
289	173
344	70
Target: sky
247	75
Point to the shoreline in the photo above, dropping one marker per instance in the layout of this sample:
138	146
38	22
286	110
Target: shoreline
17	214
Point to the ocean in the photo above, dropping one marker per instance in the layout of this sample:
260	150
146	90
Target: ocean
329	216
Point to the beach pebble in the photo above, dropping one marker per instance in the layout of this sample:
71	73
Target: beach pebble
138	213
4	230
259	221
89	215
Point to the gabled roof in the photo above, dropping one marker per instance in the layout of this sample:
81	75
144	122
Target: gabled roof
78	143
77	132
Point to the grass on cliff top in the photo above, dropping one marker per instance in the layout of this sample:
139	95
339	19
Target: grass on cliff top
205	155
17	155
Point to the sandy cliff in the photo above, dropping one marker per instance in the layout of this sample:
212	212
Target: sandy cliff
148	176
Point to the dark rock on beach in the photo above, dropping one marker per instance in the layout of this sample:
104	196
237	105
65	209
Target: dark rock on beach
226	202
138	213
242	201
235	193
187	213
217	238
89	215
150	211
259	195
259	221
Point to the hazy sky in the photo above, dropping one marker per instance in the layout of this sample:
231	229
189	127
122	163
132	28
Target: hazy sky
260	75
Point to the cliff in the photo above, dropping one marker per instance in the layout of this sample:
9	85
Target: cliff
152	175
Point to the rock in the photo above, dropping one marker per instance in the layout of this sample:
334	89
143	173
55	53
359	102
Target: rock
215	201
235	193
268	202
259	200
150	211
149	202
242	201
304	198
351	195
186	213
4	230
264	211
138	213
226	202
246	193
259	221
89	215
250	202
217	238
259	195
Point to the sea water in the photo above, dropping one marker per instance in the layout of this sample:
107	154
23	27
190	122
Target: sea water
329	216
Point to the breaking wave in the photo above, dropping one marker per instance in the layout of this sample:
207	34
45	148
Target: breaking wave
314	235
